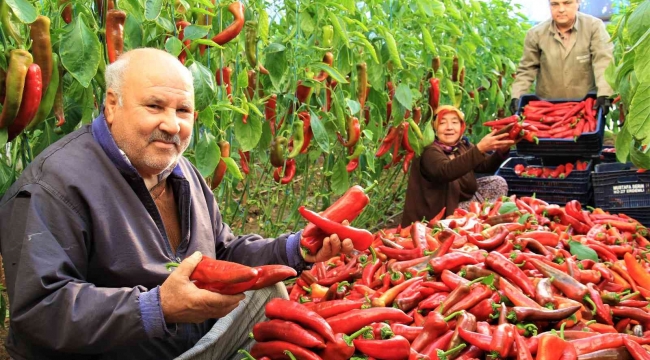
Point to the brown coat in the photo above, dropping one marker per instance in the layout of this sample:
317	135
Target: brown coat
436	181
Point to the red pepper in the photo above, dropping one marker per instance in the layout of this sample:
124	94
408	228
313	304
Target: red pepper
492	242
269	111
244	159
181	25
434	326
353	320
478	293
401	254
637	351
276	350
33	90
347	207
307	131
335	307
286	331
637	272
222	77
388	296
289	172
291	311
210	271
387	142
451	261
229	33
342	348
396	348
271	274
115	20
409	332
504	267
361	238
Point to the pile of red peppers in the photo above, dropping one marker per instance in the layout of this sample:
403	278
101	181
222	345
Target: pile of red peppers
518	279
563	120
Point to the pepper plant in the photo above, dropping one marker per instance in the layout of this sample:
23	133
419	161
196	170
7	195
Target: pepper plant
350	86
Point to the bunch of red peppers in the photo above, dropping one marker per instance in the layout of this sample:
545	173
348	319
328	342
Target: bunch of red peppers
518	278
561	171
564	120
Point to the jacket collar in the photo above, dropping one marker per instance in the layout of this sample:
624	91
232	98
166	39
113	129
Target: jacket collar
102	134
576	24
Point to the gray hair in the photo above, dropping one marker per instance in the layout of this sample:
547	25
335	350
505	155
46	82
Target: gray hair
114	74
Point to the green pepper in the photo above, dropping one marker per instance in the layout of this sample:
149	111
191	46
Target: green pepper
358	150
19	62
47	101
7	24
277	151
39	32
298	138
328	35
251	42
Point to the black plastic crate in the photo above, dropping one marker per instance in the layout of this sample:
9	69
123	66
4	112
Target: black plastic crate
577	183
587	144
606	156
640	214
619	186
556	198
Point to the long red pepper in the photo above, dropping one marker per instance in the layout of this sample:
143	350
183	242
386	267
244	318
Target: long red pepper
286	331
271	274
32	93
115	20
434	325
387	297
354	320
276	350
396	348
291	311
361	238
342	347
504	267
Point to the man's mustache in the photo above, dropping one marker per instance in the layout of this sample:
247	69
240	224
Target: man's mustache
159	135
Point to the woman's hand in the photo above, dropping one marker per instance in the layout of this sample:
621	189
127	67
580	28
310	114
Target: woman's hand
494	142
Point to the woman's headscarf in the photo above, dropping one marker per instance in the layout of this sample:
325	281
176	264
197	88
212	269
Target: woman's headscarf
442	111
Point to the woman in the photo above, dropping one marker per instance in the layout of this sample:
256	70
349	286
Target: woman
443	176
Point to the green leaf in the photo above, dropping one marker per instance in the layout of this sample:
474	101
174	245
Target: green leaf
249	134
205	86
393	53
152	9
354	106
639	21
316	67
132	32
404	95
267	137
507	208
428	134
173	46
437	7
80	51
367	45
489	280
276	64
339	179
165	23
642	61
638	120
623	144
307	24
195	32
4	136
320	134
206	117
263	26
523	219
207	154
232	167
24	11
640	158
582	252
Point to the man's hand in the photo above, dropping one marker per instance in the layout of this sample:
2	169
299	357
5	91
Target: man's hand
332	246
604	103
183	302
513	105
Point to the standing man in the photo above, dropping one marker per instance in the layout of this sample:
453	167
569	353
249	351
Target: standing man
567	55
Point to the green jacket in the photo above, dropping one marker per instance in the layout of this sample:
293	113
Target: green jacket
565	72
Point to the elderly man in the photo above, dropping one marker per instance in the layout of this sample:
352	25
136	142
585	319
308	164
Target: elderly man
568	55
87	229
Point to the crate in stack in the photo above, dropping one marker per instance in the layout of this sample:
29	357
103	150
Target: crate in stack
620	188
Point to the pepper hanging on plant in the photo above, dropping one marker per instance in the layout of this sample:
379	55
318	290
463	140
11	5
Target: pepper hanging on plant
57	107
229	33
19	62
354	132
223	78
220	170
289	172
298	138
39	32
454	69
270	112
115	34
362	84
30	102
49	96
251	46
328	59
244	160
354	157
277	151
180	26
306	130
66	14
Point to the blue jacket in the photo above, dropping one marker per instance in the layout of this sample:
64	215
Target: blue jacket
84	250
